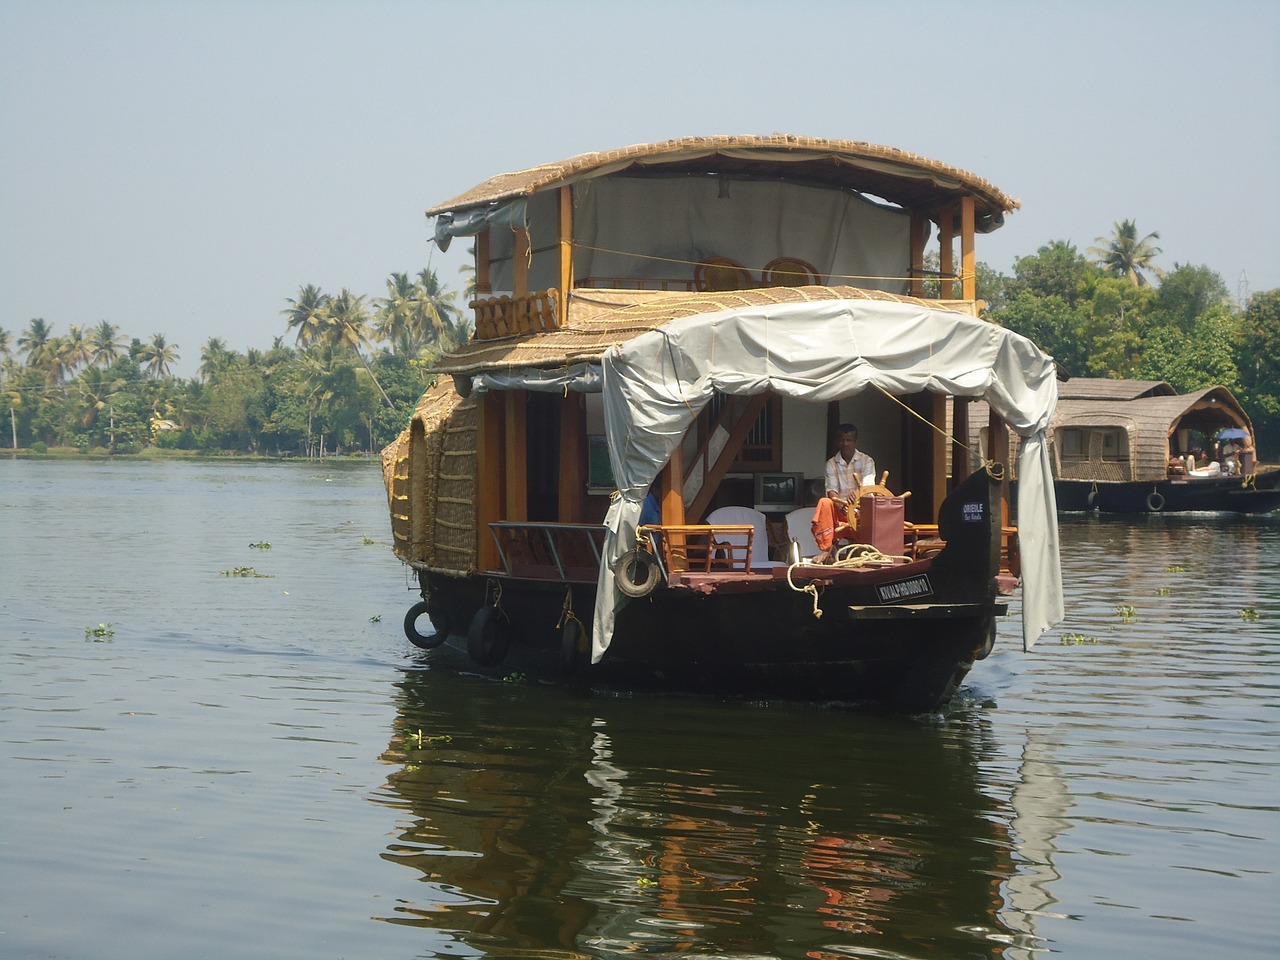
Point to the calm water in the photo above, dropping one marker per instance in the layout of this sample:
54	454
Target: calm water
262	765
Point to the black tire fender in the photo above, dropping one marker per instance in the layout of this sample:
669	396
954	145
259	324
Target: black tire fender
572	656
637	573
488	639
1155	501
438	620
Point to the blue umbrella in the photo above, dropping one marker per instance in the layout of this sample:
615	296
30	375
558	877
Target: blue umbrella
1234	433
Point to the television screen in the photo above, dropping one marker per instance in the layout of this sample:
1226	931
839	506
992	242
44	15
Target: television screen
779	491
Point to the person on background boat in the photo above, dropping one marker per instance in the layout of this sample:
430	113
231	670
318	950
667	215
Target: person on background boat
1248	455
846	474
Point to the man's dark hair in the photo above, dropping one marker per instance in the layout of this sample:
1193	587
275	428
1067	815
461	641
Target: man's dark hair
847	428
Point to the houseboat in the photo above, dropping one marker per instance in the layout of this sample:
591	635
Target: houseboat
683	327
1139	446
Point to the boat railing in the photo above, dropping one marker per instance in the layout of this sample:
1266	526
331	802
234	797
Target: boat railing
567	552
505	316
704	547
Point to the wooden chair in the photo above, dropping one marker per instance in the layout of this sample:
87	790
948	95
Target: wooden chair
720	273
789	272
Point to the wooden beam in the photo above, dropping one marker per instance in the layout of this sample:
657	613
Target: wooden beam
741	427
673	488
489	474
918	224
573	442
566	251
960	465
946	262
517	455
968	257
998	451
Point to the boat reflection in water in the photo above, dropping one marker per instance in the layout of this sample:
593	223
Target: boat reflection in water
548	825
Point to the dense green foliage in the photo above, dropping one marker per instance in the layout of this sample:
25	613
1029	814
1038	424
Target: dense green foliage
357	367
333	391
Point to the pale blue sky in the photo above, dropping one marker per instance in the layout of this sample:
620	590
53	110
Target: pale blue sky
183	167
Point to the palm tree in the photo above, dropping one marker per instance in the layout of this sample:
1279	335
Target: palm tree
397	320
306	313
157	355
1127	256
440	319
76	351
215	358
346	326
106	344
34	342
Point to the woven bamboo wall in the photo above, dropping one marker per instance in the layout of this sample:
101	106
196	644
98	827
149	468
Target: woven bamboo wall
429	473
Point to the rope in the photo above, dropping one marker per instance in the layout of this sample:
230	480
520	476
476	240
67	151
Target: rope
834	276
567	615
849	557
925	420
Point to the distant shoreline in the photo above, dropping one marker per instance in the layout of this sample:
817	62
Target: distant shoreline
71	453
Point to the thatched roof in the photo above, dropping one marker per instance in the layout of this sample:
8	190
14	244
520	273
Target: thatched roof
599	319
1100	388
895	175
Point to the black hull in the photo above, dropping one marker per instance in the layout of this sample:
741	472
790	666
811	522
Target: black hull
901	637
1216	494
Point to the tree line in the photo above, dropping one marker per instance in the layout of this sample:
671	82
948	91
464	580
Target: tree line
348	381
356	366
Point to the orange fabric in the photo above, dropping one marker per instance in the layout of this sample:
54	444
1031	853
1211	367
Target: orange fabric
829	524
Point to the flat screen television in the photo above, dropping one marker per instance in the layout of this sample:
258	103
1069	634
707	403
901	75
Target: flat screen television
779	491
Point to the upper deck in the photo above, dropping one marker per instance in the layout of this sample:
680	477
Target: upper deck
711	214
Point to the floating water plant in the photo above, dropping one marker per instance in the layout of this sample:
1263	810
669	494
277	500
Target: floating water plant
1074	639
1127	613
263	545
103	631
1248	613
516	677
376	618
246	572
1175	568
368	541
1163	591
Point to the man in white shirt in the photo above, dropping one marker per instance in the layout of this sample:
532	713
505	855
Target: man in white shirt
850	469
847	472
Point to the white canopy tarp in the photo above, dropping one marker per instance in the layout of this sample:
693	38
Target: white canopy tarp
655	385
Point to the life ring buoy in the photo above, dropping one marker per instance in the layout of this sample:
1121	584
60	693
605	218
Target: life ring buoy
1155	501
572	652
439	620
1092	499
487	639
637	573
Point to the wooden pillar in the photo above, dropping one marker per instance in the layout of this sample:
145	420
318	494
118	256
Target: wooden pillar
484	285
918	223
998	451
573	438
946	262
961	459
968	257
489	474
673	488
937	413
517	454
520	263
566	251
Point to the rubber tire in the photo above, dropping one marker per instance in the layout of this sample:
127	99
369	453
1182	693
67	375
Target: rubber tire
571	656
637	573
487	638
439	621
1155	501
988	645
1093	499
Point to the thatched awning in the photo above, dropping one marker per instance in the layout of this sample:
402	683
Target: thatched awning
600	319
900	177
